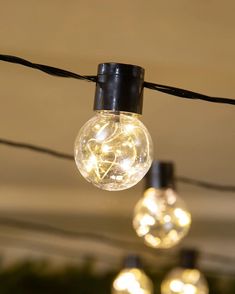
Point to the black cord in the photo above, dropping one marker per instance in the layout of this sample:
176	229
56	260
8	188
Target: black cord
187	94
184	180
213	257
39	246
62	251
114	242
54	71
53	250
49	229
36	149
207	185
80	235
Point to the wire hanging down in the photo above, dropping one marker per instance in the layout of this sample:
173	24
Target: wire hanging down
54	71
55	153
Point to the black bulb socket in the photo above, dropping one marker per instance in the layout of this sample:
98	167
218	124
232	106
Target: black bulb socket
132	261
188	258
119	88
160	175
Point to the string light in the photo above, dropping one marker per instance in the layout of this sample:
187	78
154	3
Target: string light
186	279
113	150
132	279
119	91
161	217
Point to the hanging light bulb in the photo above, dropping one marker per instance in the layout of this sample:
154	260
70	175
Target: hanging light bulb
161	217
113	150
132	279
186	279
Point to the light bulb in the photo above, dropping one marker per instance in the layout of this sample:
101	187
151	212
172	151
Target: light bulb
161	218
132	281
113	151
184	281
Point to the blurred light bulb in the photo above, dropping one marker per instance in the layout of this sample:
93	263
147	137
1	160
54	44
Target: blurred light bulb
132	281
113	150
161	218
184	281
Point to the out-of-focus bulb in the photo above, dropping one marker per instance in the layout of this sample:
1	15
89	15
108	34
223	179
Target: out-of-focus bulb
113	151
132	281
161	218
184	281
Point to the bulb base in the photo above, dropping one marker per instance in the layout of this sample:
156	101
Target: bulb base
132	261
160	175
188	258
119	87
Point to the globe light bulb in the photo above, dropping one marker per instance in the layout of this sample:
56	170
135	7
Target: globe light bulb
113	151
184	281
161	217
132	280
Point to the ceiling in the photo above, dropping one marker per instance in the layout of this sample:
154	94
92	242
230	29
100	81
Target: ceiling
188	44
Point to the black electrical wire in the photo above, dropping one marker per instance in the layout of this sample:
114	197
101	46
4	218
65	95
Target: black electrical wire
54	71
36	149
207	185
66	252
53	250
212	257
49	229
111	241
24	243
181	179
187	94
78	235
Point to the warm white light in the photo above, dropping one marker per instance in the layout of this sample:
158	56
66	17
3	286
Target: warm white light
132	281
113	151
154	241
190	289
176	286
161	218
182	216
184	281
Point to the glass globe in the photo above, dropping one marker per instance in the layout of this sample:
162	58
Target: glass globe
113	151
184	281
132	281
161	218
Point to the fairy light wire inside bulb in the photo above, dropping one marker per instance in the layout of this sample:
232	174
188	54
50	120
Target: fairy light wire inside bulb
132	281
113	150
184	281
161	217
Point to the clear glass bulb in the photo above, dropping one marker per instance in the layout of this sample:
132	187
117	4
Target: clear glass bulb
132	281
113	151
184	281
161	218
